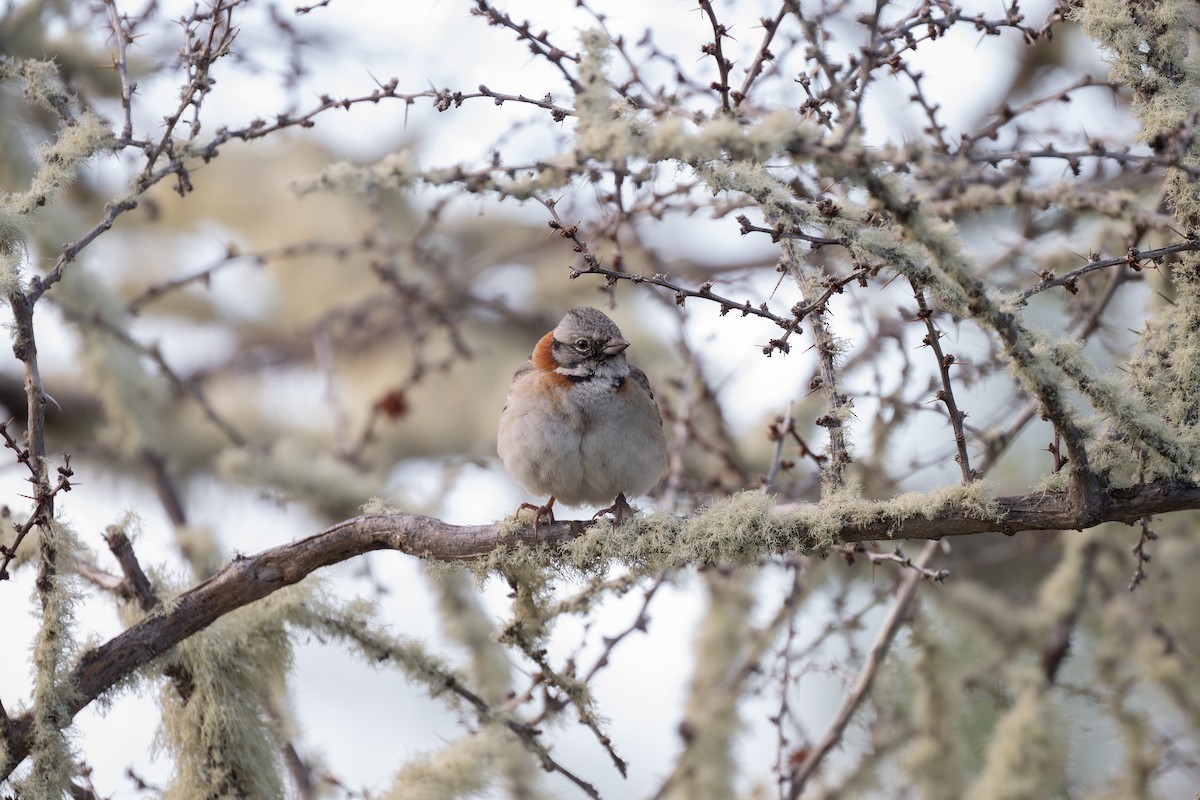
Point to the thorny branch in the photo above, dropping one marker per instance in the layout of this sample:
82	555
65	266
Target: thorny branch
959	182
640	624
154	353
209	36
33	452
539	44
1141	552
896	556
763	54
1134	259
716	50
43	510
247	579
945	395
803	771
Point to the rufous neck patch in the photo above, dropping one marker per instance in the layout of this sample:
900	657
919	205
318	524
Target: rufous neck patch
543	355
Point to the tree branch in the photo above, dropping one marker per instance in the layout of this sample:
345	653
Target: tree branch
862	684
247	579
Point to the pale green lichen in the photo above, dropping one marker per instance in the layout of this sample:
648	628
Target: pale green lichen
551	175
397	170
728	154
515	522
464	768
1026	753
950	274
707	766
58	163
528	185
731	528
14	230
214	723
1127	412
502	757
975	500
61	160
743	527
1151	52
53	758
465	621
531	597
135	403
1163	373
377	505
1148	50
520	775
1052	483
934	756
300	469
1061	593
725	142
1142	752
595	590
719	534
602	132
754	180
354	626
43	86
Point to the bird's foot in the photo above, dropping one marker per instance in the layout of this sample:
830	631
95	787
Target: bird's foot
618	509
539	513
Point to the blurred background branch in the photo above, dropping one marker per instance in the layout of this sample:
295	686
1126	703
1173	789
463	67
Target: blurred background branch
269	271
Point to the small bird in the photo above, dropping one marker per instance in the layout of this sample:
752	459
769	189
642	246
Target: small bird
580	423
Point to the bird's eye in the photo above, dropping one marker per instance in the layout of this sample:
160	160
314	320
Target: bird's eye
583	345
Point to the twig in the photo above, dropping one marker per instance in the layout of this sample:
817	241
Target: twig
721	86
866	676
946	394
1134	259
1058	641
640	623
591	266
785	657
312	7
136	584
1140	551
833	473
154	353
689	394
777	456
539	44
896	556
121	34
764	54
168	491
43	508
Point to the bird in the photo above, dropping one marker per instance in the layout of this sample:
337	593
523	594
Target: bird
580	423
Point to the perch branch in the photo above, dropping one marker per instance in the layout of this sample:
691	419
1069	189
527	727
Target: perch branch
247	579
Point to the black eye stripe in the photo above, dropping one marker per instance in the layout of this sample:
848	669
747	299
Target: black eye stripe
556	344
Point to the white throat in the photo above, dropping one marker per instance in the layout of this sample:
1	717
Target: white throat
611	369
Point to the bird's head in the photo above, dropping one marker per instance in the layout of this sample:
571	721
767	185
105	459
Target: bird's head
587	343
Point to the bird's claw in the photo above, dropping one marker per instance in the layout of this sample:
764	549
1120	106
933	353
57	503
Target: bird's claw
539	512
618	509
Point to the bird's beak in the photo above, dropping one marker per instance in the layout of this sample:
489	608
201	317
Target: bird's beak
615	346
